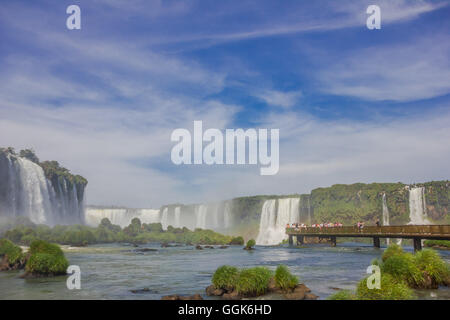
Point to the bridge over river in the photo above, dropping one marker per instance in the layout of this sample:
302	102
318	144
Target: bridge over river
415	232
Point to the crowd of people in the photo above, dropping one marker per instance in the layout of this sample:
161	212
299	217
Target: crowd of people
298	226
314	225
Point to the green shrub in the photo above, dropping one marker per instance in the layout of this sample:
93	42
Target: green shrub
237	241
343	295
439	243
251	243
391	289
429	261
284	279
13	252
46	259
403	267
253	281
393	249
47	264
225	277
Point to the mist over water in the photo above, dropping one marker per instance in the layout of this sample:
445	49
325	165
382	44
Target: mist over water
215	216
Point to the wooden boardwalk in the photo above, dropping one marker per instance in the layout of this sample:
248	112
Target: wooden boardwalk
415	232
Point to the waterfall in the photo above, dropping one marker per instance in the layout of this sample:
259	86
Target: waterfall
227	216
417	206
26	191
267	227
385	211
214	216
177	223
385	215
200	216
121	217
272	227
165	218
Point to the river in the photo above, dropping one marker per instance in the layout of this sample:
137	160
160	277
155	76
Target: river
112	271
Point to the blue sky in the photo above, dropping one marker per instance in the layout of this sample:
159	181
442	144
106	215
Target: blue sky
352	104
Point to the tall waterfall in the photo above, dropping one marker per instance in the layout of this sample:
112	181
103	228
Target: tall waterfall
26	192
177	223
385	211
200	216
385	215
272	227
165	218
417	206
227	215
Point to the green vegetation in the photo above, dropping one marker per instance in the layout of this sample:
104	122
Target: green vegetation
106	232
225	277
431	264
400	273
390	289
343	295
424	269
253	281
403	267
46	259
250	244
284	279
237	241
437	243
363	202
13	253
392	250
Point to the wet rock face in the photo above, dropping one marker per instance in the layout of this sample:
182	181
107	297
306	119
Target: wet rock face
178	297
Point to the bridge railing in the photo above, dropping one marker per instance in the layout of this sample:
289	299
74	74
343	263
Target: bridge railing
409	229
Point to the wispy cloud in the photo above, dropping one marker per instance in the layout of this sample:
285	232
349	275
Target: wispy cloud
401	72
279	98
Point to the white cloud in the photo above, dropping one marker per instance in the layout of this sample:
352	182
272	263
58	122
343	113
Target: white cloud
400	72
279	98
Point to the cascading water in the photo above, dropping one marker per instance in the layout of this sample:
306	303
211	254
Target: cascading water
417	206
165	218
200	216
25	191
177	223
121	217
385	211
227	215
385	215
272	227
267	226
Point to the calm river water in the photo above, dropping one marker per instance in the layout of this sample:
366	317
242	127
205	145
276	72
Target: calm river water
112	271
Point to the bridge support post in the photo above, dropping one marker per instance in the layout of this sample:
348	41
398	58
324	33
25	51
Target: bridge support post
333	241
417	244
291	240
376	242
300	240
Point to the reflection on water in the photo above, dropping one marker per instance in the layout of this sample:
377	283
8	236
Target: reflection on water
112	271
